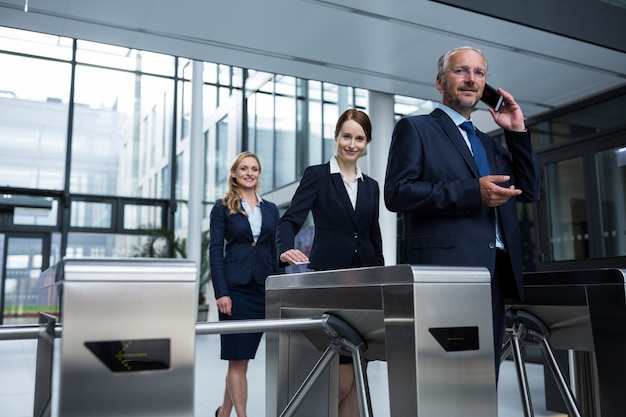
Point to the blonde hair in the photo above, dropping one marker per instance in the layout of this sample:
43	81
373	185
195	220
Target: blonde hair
232	198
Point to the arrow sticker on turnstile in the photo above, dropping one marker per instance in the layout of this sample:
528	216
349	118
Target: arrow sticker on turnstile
132	355
455	339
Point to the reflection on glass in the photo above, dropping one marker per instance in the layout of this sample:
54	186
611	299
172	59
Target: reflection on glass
33	43
34	96
124	58
21	283
569	236
92	245
285	149
141	216
36	217
222	162
90	214
611	165
264	145
314	120
122	126
331	114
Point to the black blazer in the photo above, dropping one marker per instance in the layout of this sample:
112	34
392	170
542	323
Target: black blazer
432	176
234	257
340	231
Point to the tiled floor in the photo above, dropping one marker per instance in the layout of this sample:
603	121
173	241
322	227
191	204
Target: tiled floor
17	376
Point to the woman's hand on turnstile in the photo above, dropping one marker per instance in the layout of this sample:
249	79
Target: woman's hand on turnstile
294	257
225	305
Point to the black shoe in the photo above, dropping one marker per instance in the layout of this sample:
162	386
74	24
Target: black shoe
217	412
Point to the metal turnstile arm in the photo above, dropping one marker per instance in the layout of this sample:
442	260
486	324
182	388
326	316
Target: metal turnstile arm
522	325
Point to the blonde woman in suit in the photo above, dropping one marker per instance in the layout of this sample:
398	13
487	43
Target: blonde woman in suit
242	254
344	204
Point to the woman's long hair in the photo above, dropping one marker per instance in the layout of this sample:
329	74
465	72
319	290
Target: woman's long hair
232	198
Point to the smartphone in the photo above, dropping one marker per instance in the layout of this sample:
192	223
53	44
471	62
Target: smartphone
491	97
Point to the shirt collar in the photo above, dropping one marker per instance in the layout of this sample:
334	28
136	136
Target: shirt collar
258	198
456	117
334	168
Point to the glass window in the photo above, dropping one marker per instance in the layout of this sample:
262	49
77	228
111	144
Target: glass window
34	96
315	131
142	216
224	77
285	122
210	73
124	58
611	166
569	229
361	97
36	217
409	106
21	280
264	146
182	176
34	43
91	214
122	126
95	245
331	114
222	161
591	119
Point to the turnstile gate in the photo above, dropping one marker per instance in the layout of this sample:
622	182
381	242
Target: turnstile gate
432	325
128	338
585	312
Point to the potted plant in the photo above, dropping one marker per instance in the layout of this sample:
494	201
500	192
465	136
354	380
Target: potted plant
163	243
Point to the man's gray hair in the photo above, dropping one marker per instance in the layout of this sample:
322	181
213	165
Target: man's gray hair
442	63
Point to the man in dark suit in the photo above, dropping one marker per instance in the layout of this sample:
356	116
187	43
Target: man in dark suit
461	211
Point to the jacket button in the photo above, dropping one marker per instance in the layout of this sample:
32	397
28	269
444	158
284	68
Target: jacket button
253	243
355	235
492	245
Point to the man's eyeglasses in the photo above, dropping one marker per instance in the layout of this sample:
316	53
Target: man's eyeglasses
464	71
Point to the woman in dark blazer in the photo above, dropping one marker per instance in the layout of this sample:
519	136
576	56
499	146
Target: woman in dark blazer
344	204
242	254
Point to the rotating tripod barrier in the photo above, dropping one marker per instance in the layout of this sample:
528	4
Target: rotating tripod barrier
524	326
341	336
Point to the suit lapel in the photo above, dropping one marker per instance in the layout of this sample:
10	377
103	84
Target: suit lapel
342	194
452	131
265	217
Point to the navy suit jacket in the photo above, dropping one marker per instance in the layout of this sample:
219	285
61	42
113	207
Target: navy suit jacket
340	230
234	257
432	177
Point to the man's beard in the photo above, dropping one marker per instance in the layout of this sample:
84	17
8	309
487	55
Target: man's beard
467	104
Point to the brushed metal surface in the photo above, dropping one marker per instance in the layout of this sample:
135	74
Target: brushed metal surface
110	300
393	309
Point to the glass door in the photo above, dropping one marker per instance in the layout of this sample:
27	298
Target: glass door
23	257
582	220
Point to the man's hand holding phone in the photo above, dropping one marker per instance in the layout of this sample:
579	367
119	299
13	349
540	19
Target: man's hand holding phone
492	98
508	115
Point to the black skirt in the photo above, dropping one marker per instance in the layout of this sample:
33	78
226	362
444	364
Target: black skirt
248	303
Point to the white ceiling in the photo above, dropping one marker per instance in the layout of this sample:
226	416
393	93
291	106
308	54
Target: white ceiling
383	45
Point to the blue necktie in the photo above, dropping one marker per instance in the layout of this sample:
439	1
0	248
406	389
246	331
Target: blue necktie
480	156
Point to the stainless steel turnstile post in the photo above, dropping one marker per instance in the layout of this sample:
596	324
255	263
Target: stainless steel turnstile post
432	325
128	338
